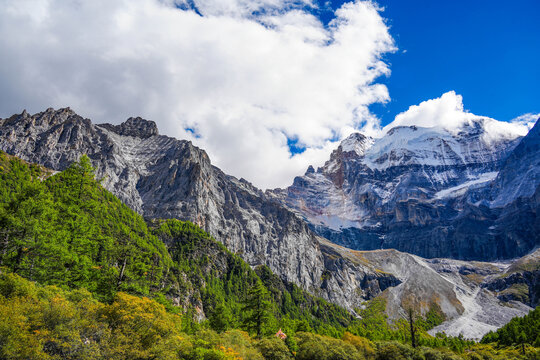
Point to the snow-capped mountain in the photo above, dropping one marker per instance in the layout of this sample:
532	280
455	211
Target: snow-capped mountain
434	192
520	173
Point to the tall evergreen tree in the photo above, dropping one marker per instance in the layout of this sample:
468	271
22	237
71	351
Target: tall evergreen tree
412	326
220	320
257	307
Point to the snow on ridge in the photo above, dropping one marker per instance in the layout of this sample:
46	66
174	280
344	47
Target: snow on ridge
357	143
474	141
438	146
462	188
410	145
333	222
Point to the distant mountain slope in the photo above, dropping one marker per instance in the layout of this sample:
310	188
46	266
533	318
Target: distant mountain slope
465	194
470	297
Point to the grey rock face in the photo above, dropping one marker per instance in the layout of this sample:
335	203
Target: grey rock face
527	291
358	280
162	177
520	282
431	192
137	127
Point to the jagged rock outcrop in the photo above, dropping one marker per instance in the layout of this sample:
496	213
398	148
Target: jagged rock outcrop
520	282
136	127
464	194
162	177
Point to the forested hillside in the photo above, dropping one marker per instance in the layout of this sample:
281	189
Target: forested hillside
82	276
66	230
523	331
69	232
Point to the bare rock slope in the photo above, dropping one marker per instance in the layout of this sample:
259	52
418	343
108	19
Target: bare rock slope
473	297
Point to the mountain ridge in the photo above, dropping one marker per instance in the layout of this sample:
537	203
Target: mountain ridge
426	191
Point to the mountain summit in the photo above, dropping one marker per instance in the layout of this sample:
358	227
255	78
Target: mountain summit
137	127
433	192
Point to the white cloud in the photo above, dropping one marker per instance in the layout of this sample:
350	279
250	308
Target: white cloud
528	120
243	8
246	75
448	112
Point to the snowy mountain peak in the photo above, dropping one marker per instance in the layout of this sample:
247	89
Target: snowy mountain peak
393	130
474	142
357	143
425	189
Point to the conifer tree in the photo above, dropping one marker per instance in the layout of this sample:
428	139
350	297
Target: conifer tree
257	306
412	326
220	320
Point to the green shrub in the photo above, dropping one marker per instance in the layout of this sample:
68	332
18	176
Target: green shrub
274	348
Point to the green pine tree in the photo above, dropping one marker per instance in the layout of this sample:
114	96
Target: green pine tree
257	307
220	320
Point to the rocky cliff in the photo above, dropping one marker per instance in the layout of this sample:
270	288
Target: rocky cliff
520	282
469	193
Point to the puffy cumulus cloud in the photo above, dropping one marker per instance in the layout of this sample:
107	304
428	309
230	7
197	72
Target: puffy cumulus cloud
448	112
243	76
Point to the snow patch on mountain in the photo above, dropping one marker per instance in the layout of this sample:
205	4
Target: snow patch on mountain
461	189
357	143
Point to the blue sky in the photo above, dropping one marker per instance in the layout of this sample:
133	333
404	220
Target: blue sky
487	51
